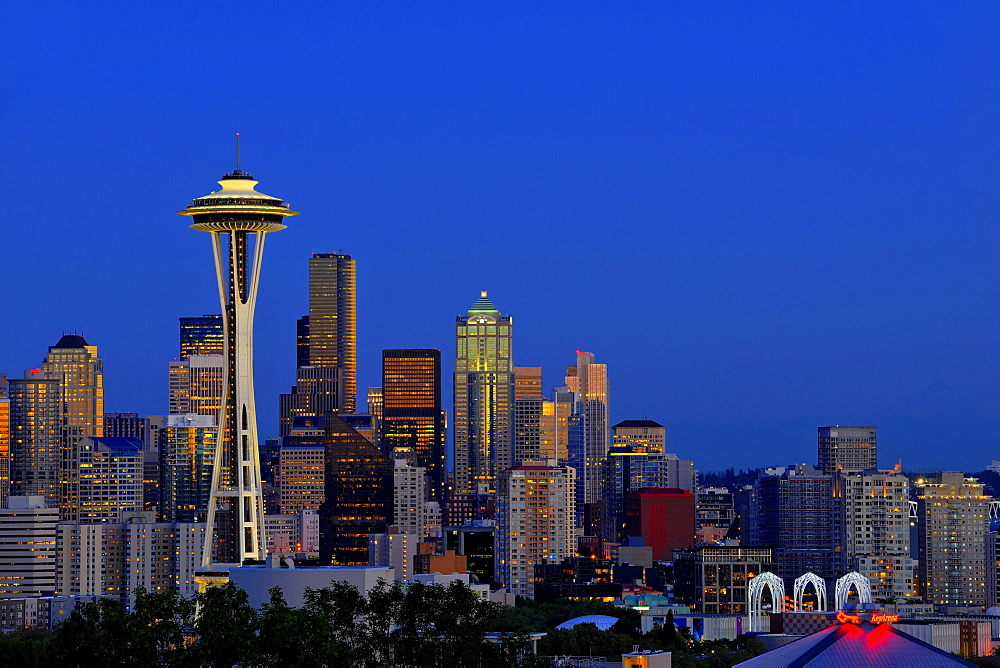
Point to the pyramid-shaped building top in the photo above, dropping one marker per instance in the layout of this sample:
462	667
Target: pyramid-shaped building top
851	644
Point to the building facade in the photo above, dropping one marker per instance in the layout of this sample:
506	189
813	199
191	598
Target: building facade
186	456
529	412
80	372
588	451
796	514
196	385
716	580
201	336
663	517
535	521
953	524
27	547
877	531
115	559
35	436
359	495
847	449
333	323
484	397
411	412
109	479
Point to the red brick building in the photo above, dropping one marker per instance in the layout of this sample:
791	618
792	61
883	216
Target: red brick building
663	516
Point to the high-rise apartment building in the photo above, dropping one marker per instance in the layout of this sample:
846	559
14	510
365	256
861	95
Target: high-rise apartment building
333	322
590	383
197	384
484	397
411	410
186	455
27	547
80	372
877	531
847	449
239	218
108	482
35	428
795	512
201	336
301	475
529	410
359	497
410	512
954	520
992	569
115	559
4	441
535	521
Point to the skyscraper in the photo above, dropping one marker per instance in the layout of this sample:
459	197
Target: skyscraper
109	483
201	336
186	455
590	383
411	405
795	512
484	397
238	218
80	372
197	384
847	449
877	531
535	520
359	495
28	547
35	418
4	441
333	322
954	520
529	409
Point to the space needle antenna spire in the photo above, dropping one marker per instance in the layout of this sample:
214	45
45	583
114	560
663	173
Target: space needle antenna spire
237	151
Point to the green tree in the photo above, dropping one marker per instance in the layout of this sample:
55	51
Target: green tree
379	626
225	629
286	637
157	628
330	616
27	648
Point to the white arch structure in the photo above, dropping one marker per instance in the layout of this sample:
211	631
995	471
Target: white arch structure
770	581
860	582
801	585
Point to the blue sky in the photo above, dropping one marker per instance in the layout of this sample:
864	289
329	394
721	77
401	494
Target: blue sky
765	217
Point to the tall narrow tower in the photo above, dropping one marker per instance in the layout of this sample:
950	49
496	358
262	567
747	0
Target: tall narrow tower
238	218
484	397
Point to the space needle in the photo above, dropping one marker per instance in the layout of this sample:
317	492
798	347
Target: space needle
238	218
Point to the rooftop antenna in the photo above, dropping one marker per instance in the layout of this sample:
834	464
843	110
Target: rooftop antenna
237	152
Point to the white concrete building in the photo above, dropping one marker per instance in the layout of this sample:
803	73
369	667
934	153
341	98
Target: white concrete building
535	521
27	547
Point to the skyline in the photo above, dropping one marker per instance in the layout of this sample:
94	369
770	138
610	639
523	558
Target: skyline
770	196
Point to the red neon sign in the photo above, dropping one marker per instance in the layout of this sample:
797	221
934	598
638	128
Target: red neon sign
874	618
882	617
